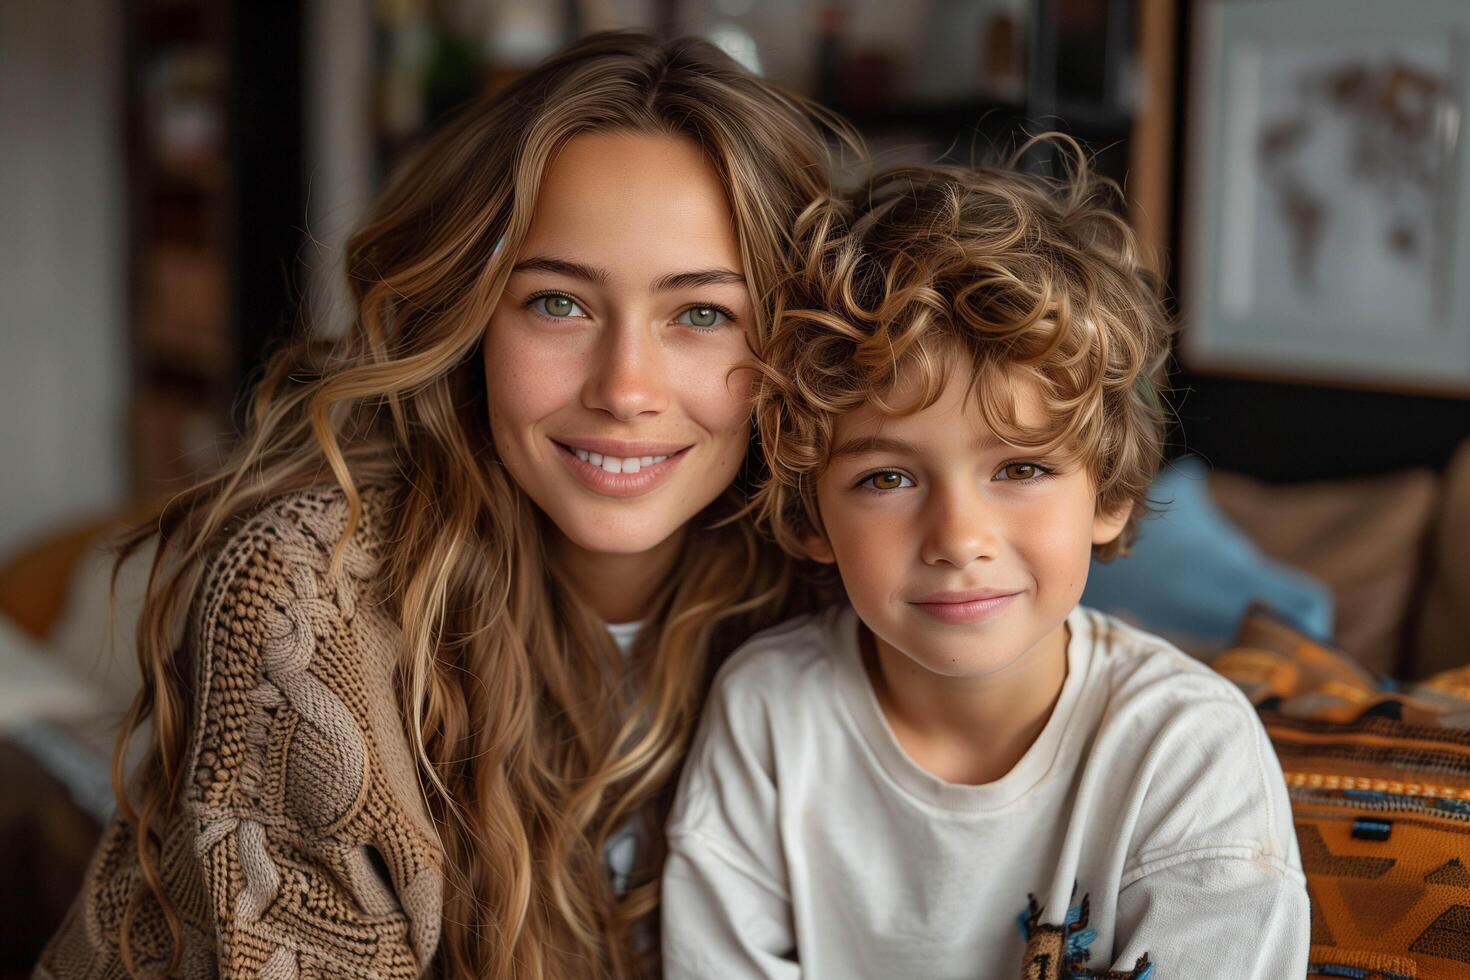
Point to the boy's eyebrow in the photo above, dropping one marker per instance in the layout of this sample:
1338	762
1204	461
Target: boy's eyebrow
862	445
869	444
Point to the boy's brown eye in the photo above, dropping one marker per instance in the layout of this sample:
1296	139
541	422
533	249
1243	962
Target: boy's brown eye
887	480
1021	471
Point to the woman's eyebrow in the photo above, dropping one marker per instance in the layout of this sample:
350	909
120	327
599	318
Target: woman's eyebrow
563	267
718	276
701	277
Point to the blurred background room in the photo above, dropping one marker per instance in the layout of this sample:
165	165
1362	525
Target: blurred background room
178	176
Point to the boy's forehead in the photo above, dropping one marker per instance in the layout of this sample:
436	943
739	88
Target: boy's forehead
899	413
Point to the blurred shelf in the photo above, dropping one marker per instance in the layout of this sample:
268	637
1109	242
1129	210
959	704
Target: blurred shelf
949	115
169	22
213	95
1083	119
987	113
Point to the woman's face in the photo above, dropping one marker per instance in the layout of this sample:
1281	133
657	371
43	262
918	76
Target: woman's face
608	361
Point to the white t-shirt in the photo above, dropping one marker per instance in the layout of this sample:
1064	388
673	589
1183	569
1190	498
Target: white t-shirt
1150	816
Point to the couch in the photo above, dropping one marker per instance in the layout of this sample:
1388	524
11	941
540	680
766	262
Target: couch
1390	549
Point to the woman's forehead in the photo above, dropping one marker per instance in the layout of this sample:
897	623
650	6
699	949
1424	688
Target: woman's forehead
639	207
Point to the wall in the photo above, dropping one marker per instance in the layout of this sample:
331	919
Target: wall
63	348
339	150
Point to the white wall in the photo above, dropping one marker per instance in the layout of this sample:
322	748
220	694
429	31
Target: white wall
63	347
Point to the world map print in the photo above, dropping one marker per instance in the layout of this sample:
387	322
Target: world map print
1355	156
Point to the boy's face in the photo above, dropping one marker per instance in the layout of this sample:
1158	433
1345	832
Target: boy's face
957	550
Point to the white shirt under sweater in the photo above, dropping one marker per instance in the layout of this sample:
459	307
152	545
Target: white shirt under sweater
803	831
621	849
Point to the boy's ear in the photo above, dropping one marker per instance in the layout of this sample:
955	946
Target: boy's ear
1106	526
818	548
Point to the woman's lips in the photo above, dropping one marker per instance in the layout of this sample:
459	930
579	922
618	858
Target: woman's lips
959	608
599	478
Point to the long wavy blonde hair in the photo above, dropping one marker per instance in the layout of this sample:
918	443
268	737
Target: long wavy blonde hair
529	758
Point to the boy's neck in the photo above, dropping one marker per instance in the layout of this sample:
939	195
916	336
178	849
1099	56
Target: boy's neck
967	730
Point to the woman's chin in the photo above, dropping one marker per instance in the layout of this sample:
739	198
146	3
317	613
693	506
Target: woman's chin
626	535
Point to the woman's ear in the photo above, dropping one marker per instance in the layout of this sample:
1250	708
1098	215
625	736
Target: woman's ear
1106	526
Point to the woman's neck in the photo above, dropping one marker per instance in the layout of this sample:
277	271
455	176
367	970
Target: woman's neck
618	587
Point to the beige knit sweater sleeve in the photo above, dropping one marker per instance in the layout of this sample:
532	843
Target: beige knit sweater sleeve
302	848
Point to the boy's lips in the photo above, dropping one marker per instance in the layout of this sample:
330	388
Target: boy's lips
967	606
965	595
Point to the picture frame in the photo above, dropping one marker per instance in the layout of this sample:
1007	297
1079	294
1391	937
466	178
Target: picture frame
1326	212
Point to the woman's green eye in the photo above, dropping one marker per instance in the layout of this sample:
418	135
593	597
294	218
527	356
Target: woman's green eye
703	317
557	306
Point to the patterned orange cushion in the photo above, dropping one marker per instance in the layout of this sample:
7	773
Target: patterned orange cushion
1380	790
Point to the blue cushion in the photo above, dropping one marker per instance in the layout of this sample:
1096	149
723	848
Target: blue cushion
1193	572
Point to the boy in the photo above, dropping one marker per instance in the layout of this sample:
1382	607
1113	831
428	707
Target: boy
963	773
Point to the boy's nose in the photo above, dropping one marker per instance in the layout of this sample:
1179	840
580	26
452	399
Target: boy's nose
960	531
627	376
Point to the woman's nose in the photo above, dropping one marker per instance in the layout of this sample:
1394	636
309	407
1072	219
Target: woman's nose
628	375
960	529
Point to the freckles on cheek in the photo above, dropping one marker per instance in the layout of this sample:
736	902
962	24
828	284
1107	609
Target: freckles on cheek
725	418
1061	551
866	549
716	363
739	383
526	379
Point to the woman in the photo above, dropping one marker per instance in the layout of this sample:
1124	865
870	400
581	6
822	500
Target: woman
392	728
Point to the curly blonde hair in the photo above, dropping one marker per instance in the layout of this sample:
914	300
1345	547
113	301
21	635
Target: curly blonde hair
923	269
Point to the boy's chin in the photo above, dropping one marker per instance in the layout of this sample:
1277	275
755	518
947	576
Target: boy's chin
964	652
965	664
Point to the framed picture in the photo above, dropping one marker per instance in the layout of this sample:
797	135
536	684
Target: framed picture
1327	209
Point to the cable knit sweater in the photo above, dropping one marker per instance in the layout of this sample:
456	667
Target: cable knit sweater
302	847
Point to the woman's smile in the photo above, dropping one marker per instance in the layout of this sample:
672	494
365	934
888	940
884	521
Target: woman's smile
620	469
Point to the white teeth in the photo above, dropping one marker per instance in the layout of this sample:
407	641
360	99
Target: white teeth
614	464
